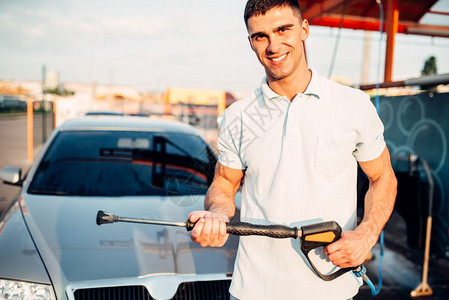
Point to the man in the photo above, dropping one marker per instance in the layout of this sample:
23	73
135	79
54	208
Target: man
296	140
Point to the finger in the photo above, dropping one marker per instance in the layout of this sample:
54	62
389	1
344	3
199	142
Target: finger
223	231
196	232
333	247
215	232
340	262
344	260
206	232
335	256
346	264
223	234
194	216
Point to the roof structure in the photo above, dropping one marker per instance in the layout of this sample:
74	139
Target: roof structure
364	15
399	16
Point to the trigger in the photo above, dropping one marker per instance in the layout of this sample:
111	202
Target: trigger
324	237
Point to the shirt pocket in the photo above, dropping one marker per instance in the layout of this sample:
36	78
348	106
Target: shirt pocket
332	157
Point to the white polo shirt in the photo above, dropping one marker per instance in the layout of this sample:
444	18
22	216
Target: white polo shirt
300	161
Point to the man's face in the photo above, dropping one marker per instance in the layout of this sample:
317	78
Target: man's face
277	39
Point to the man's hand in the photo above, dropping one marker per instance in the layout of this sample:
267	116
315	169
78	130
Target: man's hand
351	249
210	228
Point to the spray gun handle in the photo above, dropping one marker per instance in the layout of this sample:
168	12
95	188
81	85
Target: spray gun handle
321	235
273	231
312	236
243	228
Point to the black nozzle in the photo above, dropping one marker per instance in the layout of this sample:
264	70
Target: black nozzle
105	218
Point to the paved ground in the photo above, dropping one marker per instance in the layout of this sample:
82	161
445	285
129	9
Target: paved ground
402	274
402	268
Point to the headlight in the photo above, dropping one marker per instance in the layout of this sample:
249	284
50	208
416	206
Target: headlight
21	290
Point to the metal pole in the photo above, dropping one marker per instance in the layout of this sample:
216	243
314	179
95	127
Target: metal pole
392	29
44	119
364	75
424	289
30	133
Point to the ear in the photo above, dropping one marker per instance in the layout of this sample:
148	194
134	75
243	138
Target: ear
305	29
251	43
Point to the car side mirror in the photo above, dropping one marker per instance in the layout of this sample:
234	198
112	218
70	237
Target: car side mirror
11	175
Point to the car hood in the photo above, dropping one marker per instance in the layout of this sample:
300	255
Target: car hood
74	248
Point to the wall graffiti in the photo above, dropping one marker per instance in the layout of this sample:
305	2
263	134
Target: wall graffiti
419	124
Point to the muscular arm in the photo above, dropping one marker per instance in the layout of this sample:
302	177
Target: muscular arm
353	246
219	205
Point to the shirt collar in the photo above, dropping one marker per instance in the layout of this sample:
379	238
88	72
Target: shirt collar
311	90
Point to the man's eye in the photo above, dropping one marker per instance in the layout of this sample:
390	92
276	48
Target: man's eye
259	38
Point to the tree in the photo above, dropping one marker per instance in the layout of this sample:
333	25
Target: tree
429	68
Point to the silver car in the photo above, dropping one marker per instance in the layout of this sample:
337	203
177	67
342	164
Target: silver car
51	246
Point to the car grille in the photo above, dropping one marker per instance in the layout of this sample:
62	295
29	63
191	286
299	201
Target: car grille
199	290
122	292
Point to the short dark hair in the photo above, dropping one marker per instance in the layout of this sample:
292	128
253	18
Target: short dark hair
260	7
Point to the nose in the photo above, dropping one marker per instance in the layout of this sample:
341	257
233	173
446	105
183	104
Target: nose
274	45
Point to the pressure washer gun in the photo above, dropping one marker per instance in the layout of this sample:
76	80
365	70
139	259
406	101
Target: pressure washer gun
312	236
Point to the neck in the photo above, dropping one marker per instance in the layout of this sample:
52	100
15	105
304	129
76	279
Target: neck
292	85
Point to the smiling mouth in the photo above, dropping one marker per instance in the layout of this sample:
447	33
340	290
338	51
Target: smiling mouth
279	58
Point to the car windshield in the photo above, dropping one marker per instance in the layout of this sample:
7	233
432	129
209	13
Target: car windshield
124	163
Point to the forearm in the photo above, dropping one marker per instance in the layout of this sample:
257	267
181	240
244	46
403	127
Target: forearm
221	193
379	203
220	202
219	206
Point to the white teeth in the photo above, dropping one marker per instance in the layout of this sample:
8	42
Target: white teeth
279	58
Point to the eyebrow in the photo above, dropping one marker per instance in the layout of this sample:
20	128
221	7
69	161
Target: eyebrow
286	26
257	34
260	33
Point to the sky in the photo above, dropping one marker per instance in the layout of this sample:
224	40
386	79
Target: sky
155	44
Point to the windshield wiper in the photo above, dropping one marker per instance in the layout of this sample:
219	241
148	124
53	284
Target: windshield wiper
47	192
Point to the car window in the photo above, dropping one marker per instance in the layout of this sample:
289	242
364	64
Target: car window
124	163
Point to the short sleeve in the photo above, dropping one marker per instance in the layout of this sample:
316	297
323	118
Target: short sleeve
370	140
229	141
